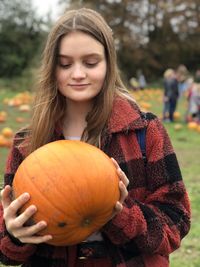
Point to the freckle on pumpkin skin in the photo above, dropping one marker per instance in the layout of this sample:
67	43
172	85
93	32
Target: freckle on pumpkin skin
62	224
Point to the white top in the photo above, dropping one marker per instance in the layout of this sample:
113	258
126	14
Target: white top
97	236
72	138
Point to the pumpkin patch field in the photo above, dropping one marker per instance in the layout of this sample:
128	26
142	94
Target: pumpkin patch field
14	114
15	111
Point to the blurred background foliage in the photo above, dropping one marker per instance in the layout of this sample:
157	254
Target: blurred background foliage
151	35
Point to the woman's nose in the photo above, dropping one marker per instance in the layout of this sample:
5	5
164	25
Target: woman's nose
78	72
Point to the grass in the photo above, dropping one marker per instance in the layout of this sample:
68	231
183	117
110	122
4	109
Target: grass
186	144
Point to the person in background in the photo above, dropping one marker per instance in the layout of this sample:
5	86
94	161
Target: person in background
141	80
171	94
134	85
182	75
80	95
194	99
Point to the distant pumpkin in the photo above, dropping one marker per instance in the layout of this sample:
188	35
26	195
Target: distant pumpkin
20	119
177	115
198	128
74	186
7	132
3	116
4	142
178	127
25	108
192	125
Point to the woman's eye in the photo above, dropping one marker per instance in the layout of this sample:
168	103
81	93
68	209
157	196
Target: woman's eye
91	64
64	66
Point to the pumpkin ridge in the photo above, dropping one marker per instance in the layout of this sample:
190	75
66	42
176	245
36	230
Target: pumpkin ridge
45	198
42	196
104	187
84	211
72	152
53	219
76	187
96	166
84	202
64	196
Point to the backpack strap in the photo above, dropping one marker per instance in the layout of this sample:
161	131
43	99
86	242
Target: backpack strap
141	137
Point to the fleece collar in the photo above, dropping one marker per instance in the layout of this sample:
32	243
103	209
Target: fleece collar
125	116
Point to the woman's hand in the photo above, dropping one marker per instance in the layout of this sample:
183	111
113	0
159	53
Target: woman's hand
123	183
15	224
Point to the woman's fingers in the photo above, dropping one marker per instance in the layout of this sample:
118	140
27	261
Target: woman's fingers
12	221
5	196
15	205
121	174
115	163
30	235
123	183
29	231
123	195
123	177
118	207
36	239
123	192
20	220
15	224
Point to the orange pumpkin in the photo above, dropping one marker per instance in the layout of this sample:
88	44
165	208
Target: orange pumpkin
20	119
192	125
178	126
74	186
7	132
177	115
3	116
2	140
25	107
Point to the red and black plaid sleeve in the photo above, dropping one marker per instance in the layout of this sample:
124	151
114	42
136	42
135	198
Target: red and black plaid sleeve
12	253
156	213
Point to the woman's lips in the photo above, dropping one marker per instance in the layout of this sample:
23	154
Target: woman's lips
79	86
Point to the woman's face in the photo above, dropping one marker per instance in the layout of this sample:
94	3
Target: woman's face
81	67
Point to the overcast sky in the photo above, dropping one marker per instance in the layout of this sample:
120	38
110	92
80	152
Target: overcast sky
43	7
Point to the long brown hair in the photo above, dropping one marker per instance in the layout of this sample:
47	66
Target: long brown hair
49	105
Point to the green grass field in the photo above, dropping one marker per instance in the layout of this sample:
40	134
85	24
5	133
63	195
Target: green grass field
186	144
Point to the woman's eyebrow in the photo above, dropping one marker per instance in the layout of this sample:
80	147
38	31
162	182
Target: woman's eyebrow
84	56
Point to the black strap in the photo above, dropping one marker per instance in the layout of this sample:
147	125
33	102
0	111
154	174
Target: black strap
141	137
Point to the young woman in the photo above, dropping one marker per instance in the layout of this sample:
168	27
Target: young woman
81	96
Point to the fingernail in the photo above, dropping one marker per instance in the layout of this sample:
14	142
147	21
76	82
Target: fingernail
49	237
42	223
120	171
33	208
26	195
121	184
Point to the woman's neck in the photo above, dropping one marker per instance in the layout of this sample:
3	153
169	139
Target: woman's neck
75	120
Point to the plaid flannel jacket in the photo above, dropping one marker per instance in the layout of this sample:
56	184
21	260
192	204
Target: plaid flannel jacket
156	213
